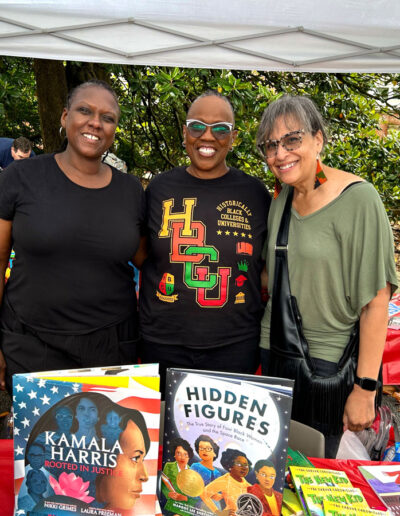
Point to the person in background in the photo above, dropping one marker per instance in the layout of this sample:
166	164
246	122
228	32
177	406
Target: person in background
14	150
75	224
200	302
341	274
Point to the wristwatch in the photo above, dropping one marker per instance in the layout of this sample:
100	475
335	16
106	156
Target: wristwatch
368	384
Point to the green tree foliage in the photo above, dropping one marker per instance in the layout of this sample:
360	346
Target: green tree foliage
18	106
154	102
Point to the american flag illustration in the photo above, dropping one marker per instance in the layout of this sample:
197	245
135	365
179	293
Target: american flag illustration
33	397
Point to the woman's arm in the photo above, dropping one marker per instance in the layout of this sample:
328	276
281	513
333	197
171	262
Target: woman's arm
264	278
5	250
213	488
359	411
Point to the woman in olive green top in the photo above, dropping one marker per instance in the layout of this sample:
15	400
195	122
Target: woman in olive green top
340	254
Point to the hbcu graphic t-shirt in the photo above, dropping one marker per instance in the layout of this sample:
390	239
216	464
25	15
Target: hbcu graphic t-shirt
201	282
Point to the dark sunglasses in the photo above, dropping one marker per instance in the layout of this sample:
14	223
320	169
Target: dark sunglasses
290	141
219	130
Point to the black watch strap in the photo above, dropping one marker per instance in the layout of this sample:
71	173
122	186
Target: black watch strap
368	384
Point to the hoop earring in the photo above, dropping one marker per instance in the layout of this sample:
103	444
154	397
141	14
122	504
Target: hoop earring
183	143
320	176
60	131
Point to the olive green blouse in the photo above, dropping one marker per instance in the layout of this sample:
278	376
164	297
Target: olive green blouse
338	258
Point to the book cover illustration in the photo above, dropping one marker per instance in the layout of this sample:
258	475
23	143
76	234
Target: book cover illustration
340	509
291	502
291	499
81	448
301	477
385	481
297	458
225	443
315	496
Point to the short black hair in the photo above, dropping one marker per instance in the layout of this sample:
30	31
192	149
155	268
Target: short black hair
229	456
97	83
263	462
213	93
178	441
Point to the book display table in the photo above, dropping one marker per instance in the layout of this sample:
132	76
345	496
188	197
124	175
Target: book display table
357	480
349	466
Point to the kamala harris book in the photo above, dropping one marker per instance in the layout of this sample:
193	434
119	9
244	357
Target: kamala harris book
86	442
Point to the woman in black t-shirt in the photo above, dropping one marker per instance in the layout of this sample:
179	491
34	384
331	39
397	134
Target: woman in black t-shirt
75	223
200	302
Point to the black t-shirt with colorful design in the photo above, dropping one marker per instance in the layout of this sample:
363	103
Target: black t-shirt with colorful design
201	282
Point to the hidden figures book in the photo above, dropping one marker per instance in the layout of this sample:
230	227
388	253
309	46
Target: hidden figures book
86	441
225	443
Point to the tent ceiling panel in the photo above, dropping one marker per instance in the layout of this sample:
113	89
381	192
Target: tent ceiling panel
335	35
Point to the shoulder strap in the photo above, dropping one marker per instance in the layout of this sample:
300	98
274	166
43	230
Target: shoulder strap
283	233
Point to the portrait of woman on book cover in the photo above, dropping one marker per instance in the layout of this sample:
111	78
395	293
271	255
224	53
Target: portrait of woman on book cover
85	467
231	485
270	499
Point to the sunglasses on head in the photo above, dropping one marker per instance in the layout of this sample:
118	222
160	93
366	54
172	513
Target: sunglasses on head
290	141
219	130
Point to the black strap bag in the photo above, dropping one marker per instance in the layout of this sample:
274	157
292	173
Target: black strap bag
317	401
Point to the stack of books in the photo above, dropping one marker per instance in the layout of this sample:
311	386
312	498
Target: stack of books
323	492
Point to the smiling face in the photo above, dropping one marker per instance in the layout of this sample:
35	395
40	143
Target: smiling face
266	478
240	468
122	489
207	154
90	122
298	166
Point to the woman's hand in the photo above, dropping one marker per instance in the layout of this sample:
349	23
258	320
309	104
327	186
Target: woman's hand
359	411
264	278
177	496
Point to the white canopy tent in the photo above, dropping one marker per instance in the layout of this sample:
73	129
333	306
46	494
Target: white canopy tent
292	35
